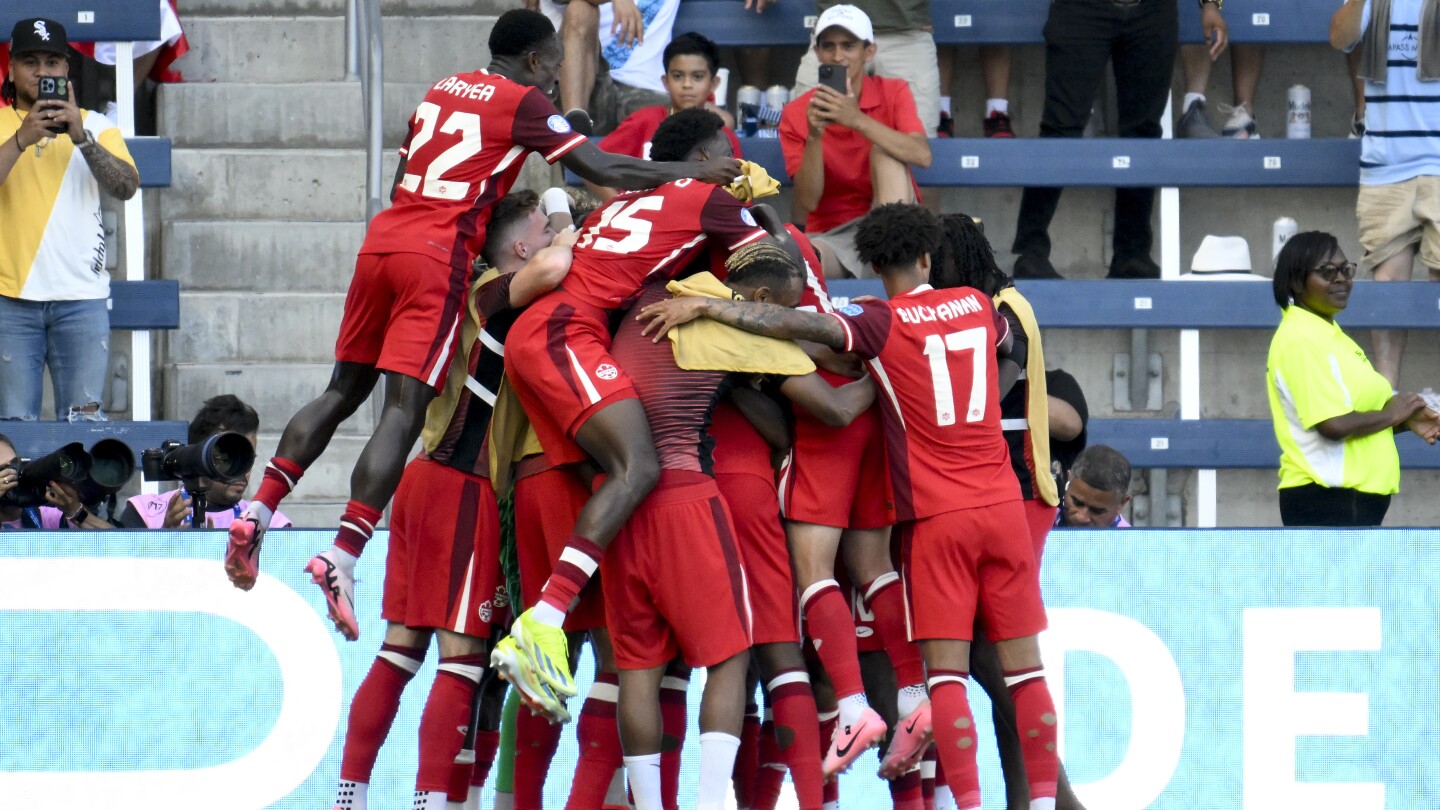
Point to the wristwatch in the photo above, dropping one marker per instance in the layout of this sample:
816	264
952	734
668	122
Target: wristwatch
80	517
1218	4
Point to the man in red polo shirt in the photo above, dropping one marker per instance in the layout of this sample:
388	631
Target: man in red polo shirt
855	148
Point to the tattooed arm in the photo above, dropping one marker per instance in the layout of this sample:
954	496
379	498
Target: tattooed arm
770	320
116	177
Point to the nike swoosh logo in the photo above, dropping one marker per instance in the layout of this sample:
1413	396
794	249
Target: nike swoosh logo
841	752
910	729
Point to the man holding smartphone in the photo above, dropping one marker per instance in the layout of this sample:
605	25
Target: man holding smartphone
849	142
55	160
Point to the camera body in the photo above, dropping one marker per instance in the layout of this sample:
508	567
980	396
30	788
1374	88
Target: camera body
70	464
54	88
224	457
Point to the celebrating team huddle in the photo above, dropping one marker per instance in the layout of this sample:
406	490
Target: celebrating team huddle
700	449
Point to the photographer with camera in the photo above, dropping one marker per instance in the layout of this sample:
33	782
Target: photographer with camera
224	500
55	160
63	511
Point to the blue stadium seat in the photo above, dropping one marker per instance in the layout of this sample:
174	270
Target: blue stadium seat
152	158
1219	444
88	20
33	439
151	304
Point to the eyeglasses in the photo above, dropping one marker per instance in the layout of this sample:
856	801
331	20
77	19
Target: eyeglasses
1330	272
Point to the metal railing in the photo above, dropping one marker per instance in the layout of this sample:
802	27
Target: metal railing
365	60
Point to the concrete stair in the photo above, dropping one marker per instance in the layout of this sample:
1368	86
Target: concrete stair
266	210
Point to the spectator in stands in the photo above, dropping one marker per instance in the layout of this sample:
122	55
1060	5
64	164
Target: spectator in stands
64	510
225	413
853	151
1335	417
623	41
53	282
1399	204
904	49
1081	36
690	63
995	75
152	58
1245	62
1099	487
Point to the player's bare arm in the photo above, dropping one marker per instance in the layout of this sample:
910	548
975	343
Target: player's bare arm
835	406
769	320
543	272
624	172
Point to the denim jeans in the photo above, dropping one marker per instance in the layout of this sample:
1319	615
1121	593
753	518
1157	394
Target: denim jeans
73	337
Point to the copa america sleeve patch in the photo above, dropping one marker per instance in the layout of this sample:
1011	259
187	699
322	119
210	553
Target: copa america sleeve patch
557	123
747	217
852	310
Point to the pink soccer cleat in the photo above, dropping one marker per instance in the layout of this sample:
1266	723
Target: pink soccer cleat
912	736
851	741
242	552
339	588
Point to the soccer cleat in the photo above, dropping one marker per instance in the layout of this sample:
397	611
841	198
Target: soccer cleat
546	650
339	588
1240	125
1193	124
242	551
907	745
851	741
997	125
513	666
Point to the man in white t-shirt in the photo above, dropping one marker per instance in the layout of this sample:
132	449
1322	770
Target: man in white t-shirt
624	42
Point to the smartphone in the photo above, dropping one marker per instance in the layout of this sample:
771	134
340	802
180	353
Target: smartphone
54	88
833	76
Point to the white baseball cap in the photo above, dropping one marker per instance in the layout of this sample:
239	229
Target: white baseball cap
1222	254
848	17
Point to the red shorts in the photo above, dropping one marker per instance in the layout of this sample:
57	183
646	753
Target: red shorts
546	504
1041	518
756	515
967	561
403	314
674	581
557	358
838	476
443	566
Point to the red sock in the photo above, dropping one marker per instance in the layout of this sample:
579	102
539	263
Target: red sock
955	735
372	712
281	476
445	719
673	726
798	733
1035	717
828	721
927	777
905	792
829	623
576	565
886	600
473	775
535	744
599	739
356	526
747	759
771	774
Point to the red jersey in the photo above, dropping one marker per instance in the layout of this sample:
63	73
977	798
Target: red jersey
468	140
738	446
635	133
932	355
645	236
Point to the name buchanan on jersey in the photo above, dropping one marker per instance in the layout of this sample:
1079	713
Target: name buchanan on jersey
455	86
942	312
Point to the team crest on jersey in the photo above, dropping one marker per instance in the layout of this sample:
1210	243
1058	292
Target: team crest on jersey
607	372
558	123
747	217
851	309
485	611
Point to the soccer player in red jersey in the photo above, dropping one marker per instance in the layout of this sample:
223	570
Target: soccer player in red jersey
579	398
466	145
964	546
442	574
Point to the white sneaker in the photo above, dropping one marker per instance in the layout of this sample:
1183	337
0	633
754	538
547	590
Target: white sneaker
1240	125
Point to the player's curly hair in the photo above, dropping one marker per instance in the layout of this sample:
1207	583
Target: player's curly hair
682	132
222	413
692	43
763	264
520	31
965	258
512	209
896	235
1302	253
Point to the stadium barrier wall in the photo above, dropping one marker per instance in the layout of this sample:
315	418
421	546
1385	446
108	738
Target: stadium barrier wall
1211	669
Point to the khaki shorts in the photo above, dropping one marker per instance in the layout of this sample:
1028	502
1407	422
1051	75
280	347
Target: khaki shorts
612	102
841	242
908	55
1395	216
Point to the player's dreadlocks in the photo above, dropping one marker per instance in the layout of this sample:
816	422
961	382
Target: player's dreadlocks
965	258
896	235
679	134
763	264
520	31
